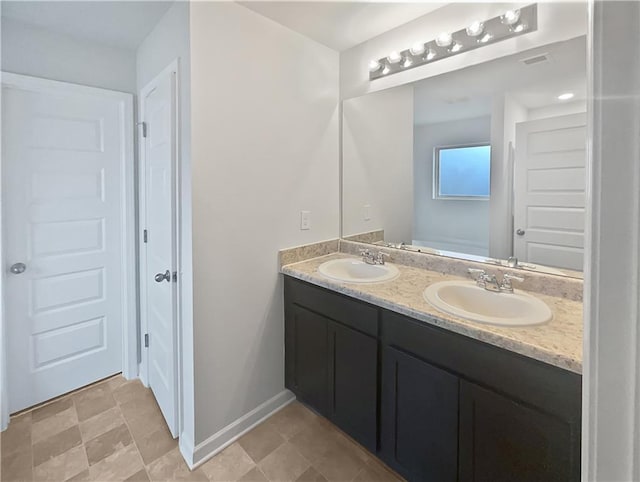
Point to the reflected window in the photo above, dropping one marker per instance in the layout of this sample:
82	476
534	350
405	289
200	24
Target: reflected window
462	172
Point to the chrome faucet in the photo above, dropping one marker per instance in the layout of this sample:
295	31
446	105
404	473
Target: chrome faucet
370	257
490	282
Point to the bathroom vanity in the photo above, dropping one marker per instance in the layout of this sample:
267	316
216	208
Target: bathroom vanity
437	398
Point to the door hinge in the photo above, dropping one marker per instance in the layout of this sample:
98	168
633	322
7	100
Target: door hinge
144	236
146	340
144	128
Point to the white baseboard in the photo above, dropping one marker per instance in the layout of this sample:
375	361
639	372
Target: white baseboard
196	456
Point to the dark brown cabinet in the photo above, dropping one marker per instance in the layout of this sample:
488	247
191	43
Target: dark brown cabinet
433	404
502	440
419	418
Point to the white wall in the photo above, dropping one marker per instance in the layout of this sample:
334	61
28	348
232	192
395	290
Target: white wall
556	21
558	109
507	112
34	51
377	164
611	373
453	225
168	41
264	147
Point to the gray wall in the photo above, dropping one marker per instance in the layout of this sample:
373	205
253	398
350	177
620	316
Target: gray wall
454	225
34	51
264	146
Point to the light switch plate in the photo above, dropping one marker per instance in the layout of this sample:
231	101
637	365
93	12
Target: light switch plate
366	212
305	220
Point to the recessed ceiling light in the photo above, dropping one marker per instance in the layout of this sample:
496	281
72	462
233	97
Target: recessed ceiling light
566	96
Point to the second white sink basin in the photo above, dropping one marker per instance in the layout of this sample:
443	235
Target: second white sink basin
353	270
467	300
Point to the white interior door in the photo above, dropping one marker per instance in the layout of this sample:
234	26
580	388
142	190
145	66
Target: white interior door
159	271
549	198
64	155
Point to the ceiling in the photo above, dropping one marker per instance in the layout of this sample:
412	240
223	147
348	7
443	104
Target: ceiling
341	25
469	92
122	24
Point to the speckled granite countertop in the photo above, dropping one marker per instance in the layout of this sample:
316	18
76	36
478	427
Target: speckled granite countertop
558	342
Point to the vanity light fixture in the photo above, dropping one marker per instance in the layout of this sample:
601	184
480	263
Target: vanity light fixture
566	96
394	57
374	65
475	29
475	35
444	39
417	48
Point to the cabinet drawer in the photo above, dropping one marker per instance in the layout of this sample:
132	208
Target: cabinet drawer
348	311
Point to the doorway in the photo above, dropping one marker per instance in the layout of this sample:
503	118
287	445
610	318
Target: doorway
68	237
159	247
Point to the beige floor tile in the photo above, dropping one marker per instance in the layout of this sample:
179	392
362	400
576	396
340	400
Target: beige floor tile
57	444
172	466
53	425
62	467
339	464
311	475
132	390
118	466
229	465
292	419
94	400
261	441
117	382
17	437
315	440
140	476
108	443
84	476
17	466
154	445
284	464
51	409
374	471
142	418
254	475
101	423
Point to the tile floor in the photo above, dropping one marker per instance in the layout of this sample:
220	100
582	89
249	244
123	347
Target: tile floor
114	431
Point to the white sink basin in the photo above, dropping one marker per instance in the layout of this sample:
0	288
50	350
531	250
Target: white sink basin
467	300
353	270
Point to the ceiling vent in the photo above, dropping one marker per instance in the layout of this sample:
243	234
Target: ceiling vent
537	59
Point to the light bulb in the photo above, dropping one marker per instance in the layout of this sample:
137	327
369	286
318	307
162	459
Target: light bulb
394	57
444	39
407	62
475	29
486	37
386	70
519	28
430	55
510	17
566	96
374	65
456	47
417	49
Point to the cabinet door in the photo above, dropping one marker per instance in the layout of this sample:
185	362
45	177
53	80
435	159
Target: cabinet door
307	350
419	418
353	364
503	440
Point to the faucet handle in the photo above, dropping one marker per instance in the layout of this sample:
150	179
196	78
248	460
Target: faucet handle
476	273
380	257
506	282
513	277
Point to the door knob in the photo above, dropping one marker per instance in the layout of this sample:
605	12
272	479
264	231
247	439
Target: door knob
520	232
166	276
18	268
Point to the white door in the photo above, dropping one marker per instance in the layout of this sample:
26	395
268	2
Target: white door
64	155
158	111
549	198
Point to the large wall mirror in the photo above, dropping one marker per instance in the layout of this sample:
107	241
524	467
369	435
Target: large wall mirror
485	163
